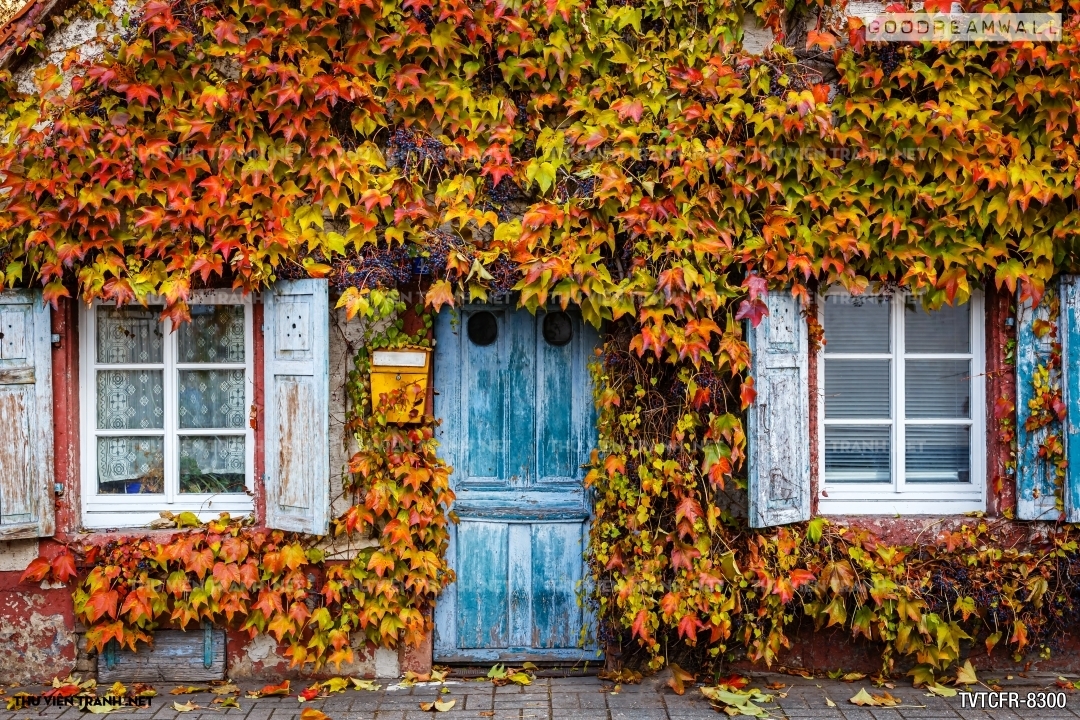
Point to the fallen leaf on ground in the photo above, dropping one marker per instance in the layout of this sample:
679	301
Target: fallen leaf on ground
186	707
313	714
829	702
102	709
521	678
335	684
487	713
226	689
775	686
143	690
733	682
865	699
438	675
364	685
225	702
187	690
497	672
438	705
309	693
737	702
941	690
678	680
624	676
271	691
853	676
117	689
966	675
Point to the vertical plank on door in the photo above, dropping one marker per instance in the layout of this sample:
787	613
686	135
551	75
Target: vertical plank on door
555	399
520	585
482	572
556	572
521	398
485	398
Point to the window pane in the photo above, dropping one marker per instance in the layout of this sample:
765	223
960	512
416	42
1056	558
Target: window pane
856	324
131	465
130	399
938	388
939	453
212	399
129	335
212	464
858	454
214	335
857	389
947	330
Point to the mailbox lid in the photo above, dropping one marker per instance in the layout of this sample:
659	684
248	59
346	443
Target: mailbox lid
409	360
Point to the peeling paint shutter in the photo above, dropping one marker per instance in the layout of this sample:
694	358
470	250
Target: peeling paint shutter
26	422
1070	353
778	422
297	392
1035	491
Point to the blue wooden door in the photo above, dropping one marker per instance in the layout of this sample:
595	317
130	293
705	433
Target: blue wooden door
515	399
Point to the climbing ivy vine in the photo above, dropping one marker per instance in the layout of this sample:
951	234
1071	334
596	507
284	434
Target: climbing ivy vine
624	156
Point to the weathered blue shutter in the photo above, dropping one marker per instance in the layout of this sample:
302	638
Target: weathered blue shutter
778	423
1035	488
26	421
1069	327
297	393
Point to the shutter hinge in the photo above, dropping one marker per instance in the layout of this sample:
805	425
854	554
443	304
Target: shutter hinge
56	339
58	488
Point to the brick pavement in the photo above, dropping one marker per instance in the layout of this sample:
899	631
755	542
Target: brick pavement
576	699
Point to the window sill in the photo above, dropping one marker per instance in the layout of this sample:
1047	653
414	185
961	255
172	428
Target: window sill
141	520
900	506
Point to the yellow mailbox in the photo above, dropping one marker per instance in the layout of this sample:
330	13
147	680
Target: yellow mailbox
401	369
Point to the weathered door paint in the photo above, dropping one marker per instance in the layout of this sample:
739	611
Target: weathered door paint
517	424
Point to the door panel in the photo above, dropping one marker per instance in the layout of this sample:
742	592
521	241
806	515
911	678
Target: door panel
517	424
557	549
482	620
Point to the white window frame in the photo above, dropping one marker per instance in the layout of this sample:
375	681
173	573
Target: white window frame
901	497
137	510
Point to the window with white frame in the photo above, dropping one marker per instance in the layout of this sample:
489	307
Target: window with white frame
901	406
165	411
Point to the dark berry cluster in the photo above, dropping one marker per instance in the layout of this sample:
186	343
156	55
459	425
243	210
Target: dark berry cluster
439	246
424	16
500	196
409	150
375	266
889	57
505	274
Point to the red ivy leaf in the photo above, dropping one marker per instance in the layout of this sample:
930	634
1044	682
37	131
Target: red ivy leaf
753	310
36	571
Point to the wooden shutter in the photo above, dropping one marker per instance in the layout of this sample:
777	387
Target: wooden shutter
297	393
778	422
1035	487
26	421
1069	328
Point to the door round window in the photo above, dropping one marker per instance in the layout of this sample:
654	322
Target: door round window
483	328
558	329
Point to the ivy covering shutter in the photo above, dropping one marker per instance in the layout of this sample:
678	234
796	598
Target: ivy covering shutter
1069	327
1035	487
26	422
778	422
297	395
